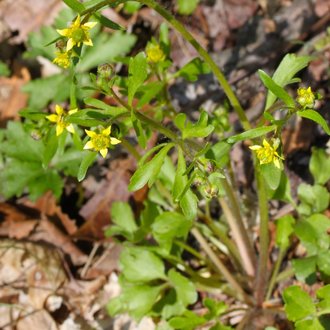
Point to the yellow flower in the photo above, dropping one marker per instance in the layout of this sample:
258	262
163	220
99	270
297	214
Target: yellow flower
62	59
267	152
59	119
101	141
77	34
305	97
154	53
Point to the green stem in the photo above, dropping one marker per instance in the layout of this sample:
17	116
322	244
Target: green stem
262	274
147	120
130	149
277	266
73	87
235	221
220	266
207	58
222	236
285	274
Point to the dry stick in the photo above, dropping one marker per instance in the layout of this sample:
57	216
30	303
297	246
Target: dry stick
220	266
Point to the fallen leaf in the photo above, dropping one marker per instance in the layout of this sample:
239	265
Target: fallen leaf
48	232
12	99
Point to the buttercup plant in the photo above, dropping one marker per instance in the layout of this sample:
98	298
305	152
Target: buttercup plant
162	274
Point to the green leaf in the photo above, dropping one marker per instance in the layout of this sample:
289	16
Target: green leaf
219	152
169	225
16	175
216	308
305	269
319	166
186	7
123	217
284	228
316	117
188	321
131	7
251	134
188	200
4	70
150	91
276	89
137	74
298	304
139	130
48	181
193	69
33	115
87	161
324	296
106	48
289	66
323	262
185	290
313	233
272	175
107	109
317	197
190	130
50	149
20	145
310	324
55	88
108	22
137	300
141	265
75	5
149	171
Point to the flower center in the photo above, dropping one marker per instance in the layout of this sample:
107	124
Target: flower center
78	34
100	142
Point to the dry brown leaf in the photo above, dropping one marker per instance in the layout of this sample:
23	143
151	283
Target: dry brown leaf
25	16
47	205
105	264
12	99
114	188
38	320
48	232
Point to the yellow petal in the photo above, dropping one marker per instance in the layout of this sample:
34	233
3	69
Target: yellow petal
104	152
59	129
88	42
90	25
70	128
53	118
90	133
277	163
69	44
64	32
106	131
256	147
77	20
89	145
59	110
73	111
265	143
114	141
